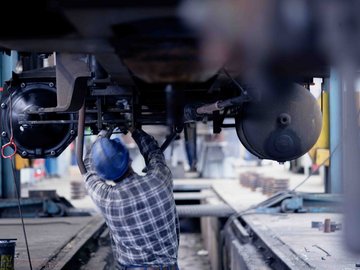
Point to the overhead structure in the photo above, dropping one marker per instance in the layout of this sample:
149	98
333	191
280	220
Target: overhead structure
132	63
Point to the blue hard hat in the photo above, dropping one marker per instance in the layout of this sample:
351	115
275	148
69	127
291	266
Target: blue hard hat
110	158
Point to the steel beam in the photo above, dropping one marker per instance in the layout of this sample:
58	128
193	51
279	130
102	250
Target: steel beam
334	182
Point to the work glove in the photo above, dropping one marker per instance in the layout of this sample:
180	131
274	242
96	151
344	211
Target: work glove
105	133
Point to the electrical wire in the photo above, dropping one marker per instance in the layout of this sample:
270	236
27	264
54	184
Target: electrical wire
20	212
317	168
239	214
12	161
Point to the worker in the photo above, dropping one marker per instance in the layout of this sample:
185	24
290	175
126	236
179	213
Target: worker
139	211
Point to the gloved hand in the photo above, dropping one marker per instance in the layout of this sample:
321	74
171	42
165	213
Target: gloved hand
131	129
105	133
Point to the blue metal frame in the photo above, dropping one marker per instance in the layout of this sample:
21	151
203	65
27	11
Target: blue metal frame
301	202
335	184
7	65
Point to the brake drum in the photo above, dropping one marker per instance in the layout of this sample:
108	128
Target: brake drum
280	125
32	138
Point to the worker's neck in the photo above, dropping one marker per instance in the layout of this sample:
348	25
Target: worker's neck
126	174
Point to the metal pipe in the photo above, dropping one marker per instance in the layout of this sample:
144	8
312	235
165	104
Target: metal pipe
46	122
80	142
208	108
233	101
60	122
220	105
97	69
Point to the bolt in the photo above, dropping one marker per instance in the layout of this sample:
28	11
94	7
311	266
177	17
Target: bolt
24	153
22	85
51	84
21	128
284	119
327	225
3	105
3	134
52	153
72	132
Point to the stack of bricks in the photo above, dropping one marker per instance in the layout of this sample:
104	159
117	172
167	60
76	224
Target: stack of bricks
267	185
251	180
271	185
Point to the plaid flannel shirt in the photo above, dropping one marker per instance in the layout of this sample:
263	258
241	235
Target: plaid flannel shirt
140	211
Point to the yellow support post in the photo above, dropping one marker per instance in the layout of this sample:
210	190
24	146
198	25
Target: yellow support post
320	151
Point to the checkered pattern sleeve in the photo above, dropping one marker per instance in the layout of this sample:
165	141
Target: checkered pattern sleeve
153	156
98	190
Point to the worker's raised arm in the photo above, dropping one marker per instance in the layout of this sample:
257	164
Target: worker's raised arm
150	150
96	187
87	159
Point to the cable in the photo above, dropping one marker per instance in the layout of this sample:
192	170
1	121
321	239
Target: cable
10	157
20	212
317	168
239	214
231	219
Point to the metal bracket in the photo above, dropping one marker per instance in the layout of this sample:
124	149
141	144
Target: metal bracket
112	90
298	202
72	74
